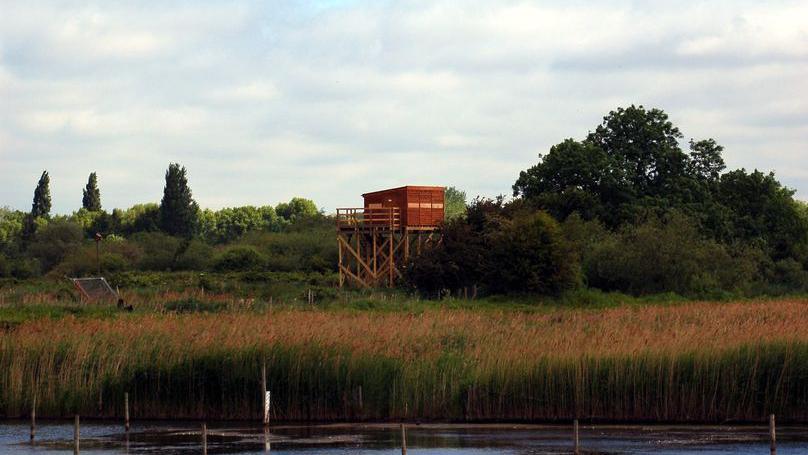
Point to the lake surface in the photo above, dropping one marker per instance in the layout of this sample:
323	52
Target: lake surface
377	439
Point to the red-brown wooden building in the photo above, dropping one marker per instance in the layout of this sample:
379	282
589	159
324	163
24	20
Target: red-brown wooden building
419	206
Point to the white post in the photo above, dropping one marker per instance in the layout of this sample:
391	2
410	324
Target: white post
266	408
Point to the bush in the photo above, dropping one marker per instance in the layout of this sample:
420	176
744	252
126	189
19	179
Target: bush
54	241
159	250
310	250
196	256
454	265
667	255
239	258
530	255
500	248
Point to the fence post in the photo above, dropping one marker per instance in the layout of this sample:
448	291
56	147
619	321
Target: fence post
575	446
76	435
403	440
33	419
772	435
126	411
205	439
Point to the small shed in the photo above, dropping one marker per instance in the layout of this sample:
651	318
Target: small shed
420	206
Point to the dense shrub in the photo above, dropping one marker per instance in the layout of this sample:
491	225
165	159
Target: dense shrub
529	254
116	255
500	248
456	264
54	241
159	250
667	255
196	255
239	258
312	250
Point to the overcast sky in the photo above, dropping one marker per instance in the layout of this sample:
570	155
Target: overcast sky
262	101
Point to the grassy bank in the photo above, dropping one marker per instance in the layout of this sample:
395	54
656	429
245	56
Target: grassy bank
709	362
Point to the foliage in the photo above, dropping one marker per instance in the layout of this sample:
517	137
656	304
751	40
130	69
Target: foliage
630	165
11	227
631	169
158	251
178	210
455	265
94	221
310	247
297	207
196	255
239	258
668	255
502	248
54	241
91	199
229	224
138	218
530	254
454	203
764	213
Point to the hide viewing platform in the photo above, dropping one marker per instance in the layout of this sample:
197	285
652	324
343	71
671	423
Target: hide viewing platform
377	240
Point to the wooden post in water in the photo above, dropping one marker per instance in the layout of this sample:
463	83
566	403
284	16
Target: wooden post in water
33	419
575	446
76	435
772	435
403	440
204	439
126	411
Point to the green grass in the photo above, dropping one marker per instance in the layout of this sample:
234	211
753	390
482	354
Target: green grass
17	313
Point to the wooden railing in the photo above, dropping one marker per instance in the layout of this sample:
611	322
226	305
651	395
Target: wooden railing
386	217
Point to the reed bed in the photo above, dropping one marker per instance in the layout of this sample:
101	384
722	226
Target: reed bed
697	362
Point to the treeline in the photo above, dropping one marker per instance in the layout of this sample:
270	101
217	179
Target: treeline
627	209
173	235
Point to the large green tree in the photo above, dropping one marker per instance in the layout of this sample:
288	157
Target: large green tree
630	165
41	206
178	210
91	199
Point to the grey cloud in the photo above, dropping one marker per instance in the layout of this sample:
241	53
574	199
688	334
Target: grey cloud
264	101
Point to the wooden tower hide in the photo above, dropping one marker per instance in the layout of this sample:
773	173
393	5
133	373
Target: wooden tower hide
376	241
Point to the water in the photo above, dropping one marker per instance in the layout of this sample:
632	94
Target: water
184	438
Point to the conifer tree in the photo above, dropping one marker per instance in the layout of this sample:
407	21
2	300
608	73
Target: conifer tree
92	195
42	198
178	210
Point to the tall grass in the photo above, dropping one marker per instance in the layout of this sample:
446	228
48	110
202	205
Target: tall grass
702	362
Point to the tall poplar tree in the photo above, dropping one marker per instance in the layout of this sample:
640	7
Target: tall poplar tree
42	198
178	210
92	195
